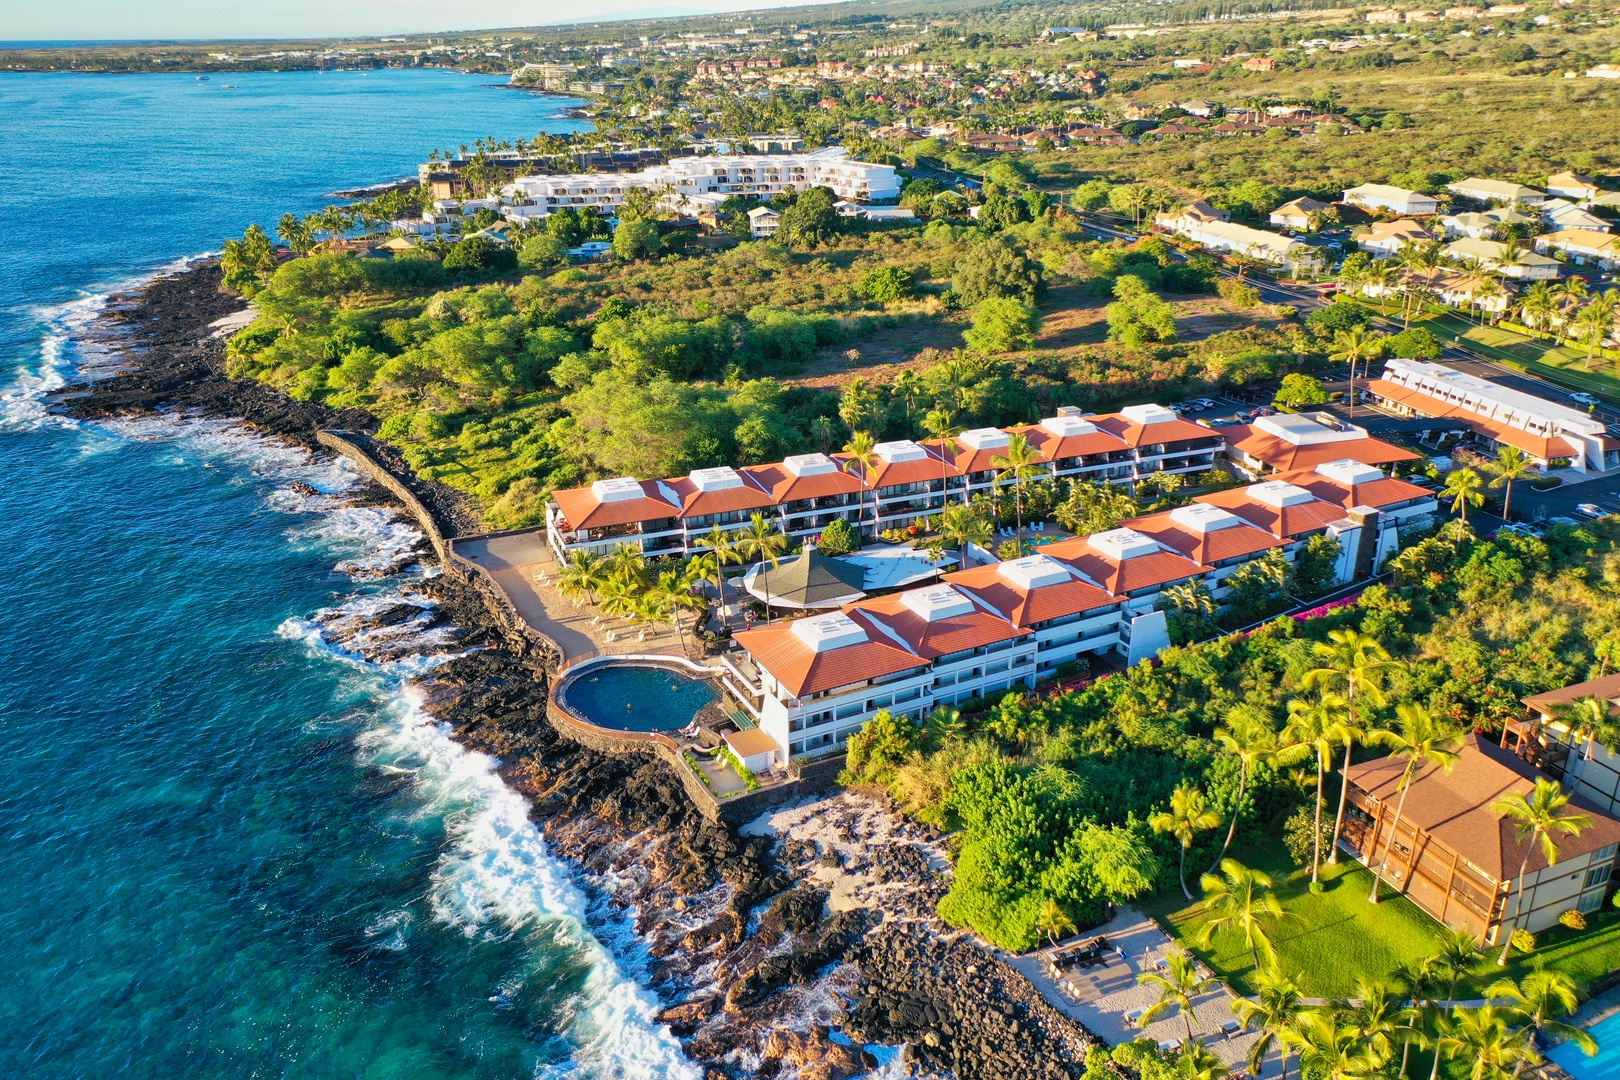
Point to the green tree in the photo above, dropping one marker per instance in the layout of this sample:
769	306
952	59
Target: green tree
1538	820
582	575
811	221
1538	1000
722	551
1002	324
1240	899
637	238
961	526
1464	489
246	264
1187	816
1299	389
1354	346
883	743
1510	465
1315	566
1053	920
1330	1049
1356	663
1274	1010
1420	739
839	538
1018	463
479	255
862	459
1484	1039
1250	737
763	541
886	284
993	267
1319	725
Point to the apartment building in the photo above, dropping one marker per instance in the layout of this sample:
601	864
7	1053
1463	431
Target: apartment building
692	185
1269	247
1496	415
1396	200
907	480
1500	191
1290	442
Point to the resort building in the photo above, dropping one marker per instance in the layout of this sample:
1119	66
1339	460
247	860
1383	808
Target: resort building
1457	859
1493	255
1548	739
1289	442
1583	246
1394	199
907	481
1268	247
1495	415
692	185
1497	191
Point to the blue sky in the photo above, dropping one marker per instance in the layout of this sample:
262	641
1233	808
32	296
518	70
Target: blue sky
53	20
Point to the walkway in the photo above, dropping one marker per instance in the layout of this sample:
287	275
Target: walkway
524	567
1107	1000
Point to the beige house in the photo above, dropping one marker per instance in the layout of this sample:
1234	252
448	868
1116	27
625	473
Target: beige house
1388	197
1296	214
1386	238
1191	216
1488	191
1528	266
1583	246
1459	860
1573	186
1267	247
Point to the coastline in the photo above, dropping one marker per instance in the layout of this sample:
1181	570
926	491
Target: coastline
753	963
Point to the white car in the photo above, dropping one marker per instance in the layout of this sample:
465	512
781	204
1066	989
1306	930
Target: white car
1584	399
1589	509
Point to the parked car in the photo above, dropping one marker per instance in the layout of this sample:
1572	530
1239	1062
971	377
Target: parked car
1561	520
1589	509
1206	403
1265	410
1244	416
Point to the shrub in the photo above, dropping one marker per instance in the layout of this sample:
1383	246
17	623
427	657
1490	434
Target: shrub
886	284
480	254
1001	324
1524	941
1573	919
1297	836
1237	293
839	538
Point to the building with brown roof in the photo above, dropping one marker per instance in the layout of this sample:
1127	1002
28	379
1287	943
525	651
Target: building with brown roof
1459	860
1289	442
1548	739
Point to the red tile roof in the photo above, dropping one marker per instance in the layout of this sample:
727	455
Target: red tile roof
785	487
1026	607
933	639
1385	491
1206	548
1287	521
695	503
1058	448
1284	456
1168	431
802	671
1123	576
583	510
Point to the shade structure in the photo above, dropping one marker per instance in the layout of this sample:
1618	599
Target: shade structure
811	580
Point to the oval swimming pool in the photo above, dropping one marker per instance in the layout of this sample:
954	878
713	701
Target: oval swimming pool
636	697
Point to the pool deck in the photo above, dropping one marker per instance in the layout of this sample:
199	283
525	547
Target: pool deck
524	567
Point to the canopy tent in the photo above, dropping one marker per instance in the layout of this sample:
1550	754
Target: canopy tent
811	580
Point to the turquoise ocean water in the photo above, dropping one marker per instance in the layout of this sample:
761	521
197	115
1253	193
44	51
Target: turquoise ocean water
227	850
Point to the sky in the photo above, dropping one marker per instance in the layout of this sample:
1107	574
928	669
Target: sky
103	20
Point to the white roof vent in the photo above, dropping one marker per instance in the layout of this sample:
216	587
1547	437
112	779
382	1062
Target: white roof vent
617	490
900	450
823	633
722	478
1204	518
1279	493
1349	472
1072	410
937	602
1303	429
1147	414
1033	571
809	465
1122	544
1065	424
985	438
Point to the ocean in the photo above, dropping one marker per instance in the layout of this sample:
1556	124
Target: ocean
230	848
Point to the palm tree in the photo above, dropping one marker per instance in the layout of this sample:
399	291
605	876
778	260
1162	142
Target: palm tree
961	527
1018	462
1177	987
1191	600
1422	740
1354	662
1354	346
1487	290
1381	276
1188	816
1464	488
1421	1013
652	609
1536	819
1569	295
1596	319
722	550
1538	305
1539	999
1590	718
1484	1038
762	540
1196	1062
1249	737
863	458
943	725
1455	960
1274	1010
1331	1049
581	575
1053	920
1511	464
672	588
941	424
1318	725
1240	899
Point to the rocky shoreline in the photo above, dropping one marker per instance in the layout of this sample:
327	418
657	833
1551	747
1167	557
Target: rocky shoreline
778	959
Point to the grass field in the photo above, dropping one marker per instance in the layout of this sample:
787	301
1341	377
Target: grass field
1333	938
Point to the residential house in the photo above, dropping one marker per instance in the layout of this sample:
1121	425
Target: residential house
1497	191
1384	16
1465	12
1199	108
1259	63
1604	71
1280	251
1297	214
1289	442
1386	238
1495	415
1394	199
762	222
1191	216
1563	214
1483	224
1528	266
1459	860
1574	186
1583	246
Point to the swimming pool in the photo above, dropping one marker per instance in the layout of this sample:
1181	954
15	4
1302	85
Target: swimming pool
636	697
1605	1066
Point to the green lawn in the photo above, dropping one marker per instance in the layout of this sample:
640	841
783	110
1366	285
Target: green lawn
1333	938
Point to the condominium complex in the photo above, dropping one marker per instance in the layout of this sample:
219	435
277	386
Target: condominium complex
1394	199
1269	247
1496	415
904	481
693	185
983	630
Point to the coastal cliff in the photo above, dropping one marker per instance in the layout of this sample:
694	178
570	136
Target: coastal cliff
765	973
